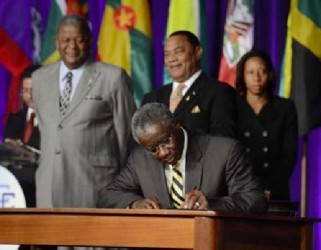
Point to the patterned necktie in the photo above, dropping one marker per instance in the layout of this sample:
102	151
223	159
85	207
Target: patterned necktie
65	97
176	191
176	97
29	128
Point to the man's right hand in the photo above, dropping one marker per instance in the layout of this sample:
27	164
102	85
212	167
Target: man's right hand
13	142
152	203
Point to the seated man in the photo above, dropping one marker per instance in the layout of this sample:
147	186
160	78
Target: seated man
22	128
15	130
173	169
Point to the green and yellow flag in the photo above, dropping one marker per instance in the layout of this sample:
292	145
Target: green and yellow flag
125	40
187	15
300	77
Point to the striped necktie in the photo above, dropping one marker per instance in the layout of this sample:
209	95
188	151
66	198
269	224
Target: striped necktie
176	191
176	97
65	97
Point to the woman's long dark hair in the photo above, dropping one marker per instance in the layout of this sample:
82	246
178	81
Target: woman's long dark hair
240	83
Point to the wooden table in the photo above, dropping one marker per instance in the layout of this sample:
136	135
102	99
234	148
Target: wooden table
201	230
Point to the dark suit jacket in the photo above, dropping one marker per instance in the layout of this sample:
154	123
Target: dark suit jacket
218	166
15	128
271	139
215	100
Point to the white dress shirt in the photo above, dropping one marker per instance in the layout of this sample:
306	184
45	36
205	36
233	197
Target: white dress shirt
188	83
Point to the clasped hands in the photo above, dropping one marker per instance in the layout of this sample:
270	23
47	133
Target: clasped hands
193	200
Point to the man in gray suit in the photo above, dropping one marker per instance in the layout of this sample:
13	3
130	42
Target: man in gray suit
84	120
214	172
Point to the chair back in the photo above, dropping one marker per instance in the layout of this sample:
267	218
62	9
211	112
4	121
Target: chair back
283	208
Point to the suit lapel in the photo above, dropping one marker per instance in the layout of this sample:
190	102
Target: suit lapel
165	94
52	92
193	172
191	94
194	165
87	81
160	184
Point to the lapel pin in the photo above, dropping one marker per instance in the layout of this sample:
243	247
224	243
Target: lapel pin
92	79
187	98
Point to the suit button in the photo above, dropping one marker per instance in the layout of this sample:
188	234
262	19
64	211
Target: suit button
247	133
266	164
265	133
58	152
248	150
265	149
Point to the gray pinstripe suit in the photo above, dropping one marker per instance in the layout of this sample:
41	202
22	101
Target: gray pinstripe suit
82	151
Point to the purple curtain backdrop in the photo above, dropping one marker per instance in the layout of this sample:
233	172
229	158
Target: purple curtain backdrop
313	186
4	79
269	35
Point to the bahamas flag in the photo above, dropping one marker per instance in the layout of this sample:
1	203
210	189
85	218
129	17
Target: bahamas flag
301	77
187	15
58	9
125	40
238	37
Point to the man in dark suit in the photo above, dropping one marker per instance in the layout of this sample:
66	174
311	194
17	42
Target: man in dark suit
16	124
206	105
213	172
16	134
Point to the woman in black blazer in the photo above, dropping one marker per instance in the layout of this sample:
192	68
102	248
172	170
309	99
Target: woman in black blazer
268	124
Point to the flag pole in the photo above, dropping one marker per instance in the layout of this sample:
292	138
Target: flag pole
303	176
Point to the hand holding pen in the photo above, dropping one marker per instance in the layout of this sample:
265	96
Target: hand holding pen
195	200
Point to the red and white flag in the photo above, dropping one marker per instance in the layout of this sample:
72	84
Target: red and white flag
238	37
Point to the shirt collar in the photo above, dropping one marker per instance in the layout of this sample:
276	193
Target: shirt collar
188	83
29	111
64	70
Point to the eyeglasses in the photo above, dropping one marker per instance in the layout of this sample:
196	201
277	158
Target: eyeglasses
26	91
166	143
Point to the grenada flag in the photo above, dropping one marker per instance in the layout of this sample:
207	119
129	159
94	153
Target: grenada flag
125	40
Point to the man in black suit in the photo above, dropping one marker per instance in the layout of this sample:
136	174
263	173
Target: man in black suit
207	106
15	134
174	169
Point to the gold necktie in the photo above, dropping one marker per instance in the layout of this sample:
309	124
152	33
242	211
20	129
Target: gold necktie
176	97
176	191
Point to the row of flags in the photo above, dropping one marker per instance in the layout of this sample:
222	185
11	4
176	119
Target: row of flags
125	39
300	77
301	73
191	19
238	37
